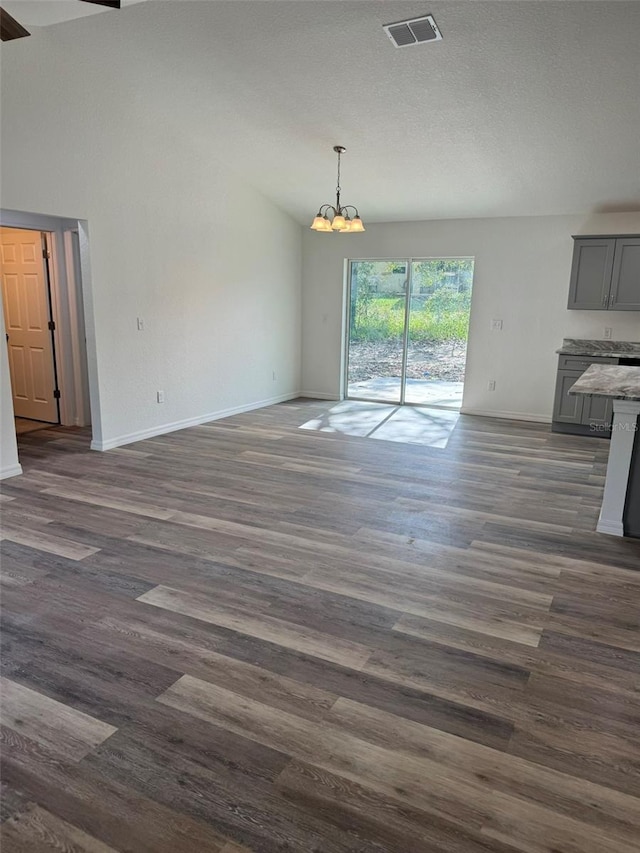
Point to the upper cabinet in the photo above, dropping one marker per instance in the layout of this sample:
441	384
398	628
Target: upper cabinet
605	275
625	282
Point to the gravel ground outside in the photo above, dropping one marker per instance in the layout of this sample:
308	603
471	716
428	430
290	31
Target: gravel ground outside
426	360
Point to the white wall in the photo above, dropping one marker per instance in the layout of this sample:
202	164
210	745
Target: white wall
522	268
173	239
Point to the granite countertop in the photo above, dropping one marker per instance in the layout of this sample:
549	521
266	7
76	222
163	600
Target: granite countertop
600	349
601	380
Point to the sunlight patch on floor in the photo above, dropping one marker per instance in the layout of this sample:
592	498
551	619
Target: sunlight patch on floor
406	424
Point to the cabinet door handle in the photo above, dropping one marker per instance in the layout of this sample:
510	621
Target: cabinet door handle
611	300
605	299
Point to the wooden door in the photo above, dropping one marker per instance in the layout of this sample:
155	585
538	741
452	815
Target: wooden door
27	313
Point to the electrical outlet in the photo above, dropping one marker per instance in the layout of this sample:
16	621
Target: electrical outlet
496	325
140	324
607	333
491	385
160	396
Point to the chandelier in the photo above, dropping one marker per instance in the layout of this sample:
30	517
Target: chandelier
341	220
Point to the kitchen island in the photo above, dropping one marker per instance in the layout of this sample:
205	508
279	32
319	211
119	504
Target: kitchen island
580	414
620	512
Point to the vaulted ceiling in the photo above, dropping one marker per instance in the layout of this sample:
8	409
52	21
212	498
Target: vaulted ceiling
524	108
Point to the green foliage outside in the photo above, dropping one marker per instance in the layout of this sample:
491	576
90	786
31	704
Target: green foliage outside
440	303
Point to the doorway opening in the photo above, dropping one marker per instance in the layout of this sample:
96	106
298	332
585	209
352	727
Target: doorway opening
46	375
407	330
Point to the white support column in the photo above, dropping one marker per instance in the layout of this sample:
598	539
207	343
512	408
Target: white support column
625	426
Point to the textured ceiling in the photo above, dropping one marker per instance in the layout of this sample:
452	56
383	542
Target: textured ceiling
524	108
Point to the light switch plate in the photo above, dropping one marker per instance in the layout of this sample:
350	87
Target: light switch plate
496	325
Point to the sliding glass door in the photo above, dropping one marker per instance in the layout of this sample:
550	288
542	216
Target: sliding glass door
376	330
407	330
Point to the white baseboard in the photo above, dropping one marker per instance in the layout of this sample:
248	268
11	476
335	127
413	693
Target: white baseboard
510	416
163	429
10	471
319	395
613	528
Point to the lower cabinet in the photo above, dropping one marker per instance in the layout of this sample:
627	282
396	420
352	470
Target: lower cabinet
575	413
597	413
567	408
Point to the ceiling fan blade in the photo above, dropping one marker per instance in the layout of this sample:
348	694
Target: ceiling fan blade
10	28
112	4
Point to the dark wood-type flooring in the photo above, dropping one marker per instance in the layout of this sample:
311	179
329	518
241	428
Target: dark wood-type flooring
250	637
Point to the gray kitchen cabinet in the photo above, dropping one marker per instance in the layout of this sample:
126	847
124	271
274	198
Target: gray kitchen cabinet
625	281
597	414
567	409
591	272
575	413
605	274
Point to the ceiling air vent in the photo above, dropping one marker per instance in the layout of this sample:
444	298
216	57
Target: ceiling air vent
415	31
